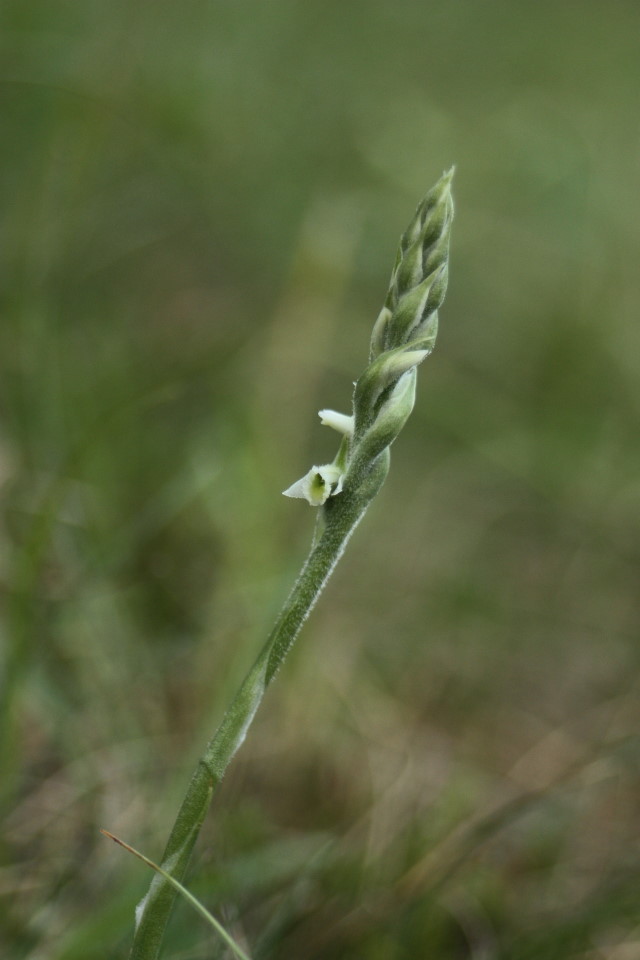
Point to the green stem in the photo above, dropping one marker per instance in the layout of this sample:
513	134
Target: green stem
342	514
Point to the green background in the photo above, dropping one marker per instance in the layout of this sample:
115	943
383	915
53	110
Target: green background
200	208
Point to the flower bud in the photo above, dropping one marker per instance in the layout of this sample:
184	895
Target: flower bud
389	421
379	375
379	333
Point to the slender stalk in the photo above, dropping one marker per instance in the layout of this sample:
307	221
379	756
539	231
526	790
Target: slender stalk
341	516
185	894
403	335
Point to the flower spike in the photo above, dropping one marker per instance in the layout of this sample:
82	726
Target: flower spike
403	335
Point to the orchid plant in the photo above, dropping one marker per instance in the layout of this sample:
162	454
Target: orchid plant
403	335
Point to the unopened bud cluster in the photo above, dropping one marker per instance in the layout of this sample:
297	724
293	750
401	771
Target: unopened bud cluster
403	335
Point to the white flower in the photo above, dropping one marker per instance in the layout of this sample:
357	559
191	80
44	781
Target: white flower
338	421
317	485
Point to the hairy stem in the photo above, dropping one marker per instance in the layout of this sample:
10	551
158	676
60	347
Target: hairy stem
341	516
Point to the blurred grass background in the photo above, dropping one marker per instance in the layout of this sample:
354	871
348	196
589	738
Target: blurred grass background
201	205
